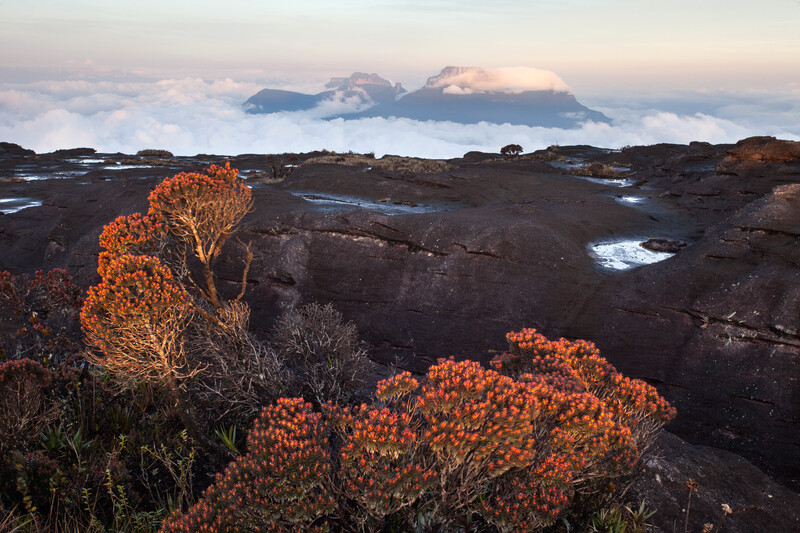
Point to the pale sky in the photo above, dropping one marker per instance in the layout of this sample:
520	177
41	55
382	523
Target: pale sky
594	45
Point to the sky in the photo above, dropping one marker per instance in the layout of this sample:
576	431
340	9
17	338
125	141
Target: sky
122	74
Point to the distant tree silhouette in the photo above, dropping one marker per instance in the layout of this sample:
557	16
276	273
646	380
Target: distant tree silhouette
511	150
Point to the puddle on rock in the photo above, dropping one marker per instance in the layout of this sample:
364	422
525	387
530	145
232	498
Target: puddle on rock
55	176
334	202
630	200
86	161
12	205
622	255
573	164
125	167
613	182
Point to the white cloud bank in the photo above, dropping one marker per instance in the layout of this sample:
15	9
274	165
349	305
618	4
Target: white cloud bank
470	80
191	116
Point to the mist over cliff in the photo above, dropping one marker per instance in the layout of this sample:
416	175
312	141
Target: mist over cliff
464	95
115	113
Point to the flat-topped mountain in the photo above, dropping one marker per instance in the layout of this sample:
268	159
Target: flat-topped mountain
466	95
356	92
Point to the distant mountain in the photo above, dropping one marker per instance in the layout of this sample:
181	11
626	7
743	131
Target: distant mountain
358	91
465	95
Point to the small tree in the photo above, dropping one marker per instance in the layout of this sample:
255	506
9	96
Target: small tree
511	150
201	211
141	317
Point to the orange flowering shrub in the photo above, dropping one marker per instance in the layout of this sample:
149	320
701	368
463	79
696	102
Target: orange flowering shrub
201	210
133	234
579	366
466	445
280	485
135	318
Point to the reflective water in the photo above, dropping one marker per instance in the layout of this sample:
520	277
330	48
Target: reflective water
632	200
12	205
335	202
55	176
625	254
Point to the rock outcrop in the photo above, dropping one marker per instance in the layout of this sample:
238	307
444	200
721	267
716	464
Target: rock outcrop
437	264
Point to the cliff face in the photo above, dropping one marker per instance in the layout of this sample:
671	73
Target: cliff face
445	263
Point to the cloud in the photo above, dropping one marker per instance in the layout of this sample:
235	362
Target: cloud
191	116
507	80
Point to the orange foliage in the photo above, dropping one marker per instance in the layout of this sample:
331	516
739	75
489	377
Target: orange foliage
135	317
202	209
280	485
578	365
465	442
133	234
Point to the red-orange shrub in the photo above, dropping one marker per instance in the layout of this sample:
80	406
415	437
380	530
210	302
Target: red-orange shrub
133	234
202	209
280	485
465	444
135	317
632	402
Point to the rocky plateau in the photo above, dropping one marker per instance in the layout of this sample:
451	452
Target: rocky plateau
433	259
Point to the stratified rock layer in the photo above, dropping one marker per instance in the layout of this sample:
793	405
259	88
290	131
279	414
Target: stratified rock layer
438	264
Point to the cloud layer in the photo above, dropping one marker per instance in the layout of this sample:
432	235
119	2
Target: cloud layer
190	116
469	80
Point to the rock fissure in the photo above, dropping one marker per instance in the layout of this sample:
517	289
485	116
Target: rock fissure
379	241
746	333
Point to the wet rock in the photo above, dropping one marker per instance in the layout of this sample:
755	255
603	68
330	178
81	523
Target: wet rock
705	328
507	246
663	245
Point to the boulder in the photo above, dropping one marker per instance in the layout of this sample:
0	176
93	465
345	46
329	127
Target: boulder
755	502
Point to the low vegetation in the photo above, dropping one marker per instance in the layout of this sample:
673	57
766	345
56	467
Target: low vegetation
168	413
393	163
151	152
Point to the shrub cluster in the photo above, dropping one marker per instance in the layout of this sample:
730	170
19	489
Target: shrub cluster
72	448
158	316
507	449
178	374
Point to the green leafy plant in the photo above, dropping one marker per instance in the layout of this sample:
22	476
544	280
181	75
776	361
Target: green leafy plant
227	436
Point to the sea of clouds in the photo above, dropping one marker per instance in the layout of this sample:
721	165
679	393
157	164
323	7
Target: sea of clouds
191	116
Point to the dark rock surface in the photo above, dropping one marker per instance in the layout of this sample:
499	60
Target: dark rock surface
11	149
766	149
430	265
659	244
756	502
